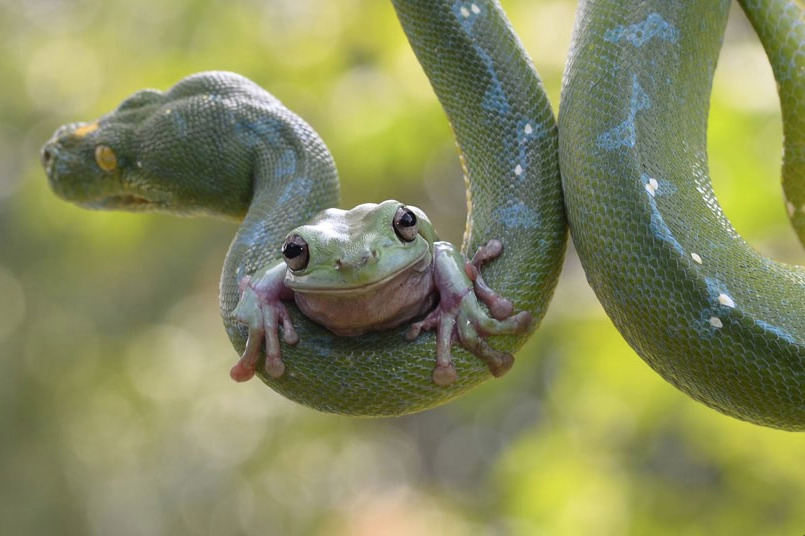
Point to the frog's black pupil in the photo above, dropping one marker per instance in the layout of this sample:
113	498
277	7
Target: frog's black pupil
407	219
291	250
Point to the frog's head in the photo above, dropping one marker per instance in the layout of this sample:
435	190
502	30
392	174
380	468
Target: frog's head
358	249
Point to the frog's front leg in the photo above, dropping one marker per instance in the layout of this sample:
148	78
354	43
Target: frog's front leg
261	309
459	316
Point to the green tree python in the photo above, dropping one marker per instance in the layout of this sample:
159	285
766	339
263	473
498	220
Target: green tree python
714	318
706	311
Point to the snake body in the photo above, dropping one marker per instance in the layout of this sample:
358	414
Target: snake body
216	143
712	316
507	138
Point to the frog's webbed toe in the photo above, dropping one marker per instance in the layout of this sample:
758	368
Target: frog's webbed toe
261	310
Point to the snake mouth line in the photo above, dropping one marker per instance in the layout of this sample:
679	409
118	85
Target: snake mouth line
124	202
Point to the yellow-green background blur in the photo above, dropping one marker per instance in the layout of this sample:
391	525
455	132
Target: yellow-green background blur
118	416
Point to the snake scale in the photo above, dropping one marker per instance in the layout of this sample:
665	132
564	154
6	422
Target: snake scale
706	311
709	314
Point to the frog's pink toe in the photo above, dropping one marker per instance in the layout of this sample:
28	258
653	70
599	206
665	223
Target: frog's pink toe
275	368
501	365
241	372
444	375
290	336
523	320
500	308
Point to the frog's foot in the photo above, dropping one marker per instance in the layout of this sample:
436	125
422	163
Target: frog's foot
466	323
262	311
459	316
499	307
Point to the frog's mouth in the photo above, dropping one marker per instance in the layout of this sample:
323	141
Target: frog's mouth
416	270
379	305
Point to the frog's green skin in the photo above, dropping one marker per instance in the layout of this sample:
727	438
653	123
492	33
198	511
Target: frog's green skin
359	272
716	319
216	143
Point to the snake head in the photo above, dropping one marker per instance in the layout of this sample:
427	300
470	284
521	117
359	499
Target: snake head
96	164
189	150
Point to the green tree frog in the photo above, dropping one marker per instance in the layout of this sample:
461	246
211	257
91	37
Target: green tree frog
375	267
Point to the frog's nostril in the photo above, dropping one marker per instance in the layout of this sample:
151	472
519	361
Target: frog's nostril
357	260
367	257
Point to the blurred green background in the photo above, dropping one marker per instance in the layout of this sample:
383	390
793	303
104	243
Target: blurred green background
116	409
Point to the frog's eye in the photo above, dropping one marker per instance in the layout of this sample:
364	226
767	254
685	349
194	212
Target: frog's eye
295	252
405	224
105	158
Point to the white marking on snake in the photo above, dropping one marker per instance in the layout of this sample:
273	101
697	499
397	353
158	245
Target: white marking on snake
528	129
716	322
651	187
791	208
518	170
465	12
723	299
696	258
475	9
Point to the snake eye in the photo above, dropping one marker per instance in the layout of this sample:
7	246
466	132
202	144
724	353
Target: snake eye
405	224
295	253
105	158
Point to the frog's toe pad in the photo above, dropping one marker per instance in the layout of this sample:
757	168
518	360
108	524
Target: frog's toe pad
501	365
444	375
274	367
500	308
522	322
241	372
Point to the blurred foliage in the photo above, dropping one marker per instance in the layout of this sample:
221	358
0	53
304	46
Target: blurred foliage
117	413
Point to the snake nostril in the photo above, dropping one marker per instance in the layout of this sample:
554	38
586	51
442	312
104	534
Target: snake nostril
47	155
